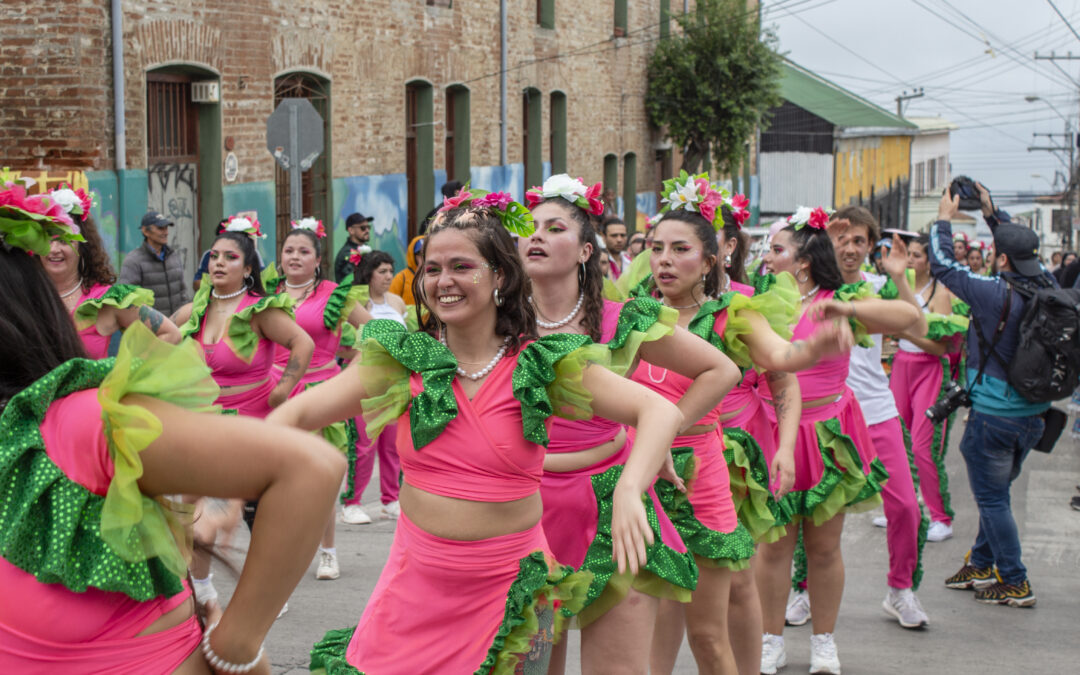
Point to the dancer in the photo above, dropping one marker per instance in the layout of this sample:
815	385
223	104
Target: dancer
835	465
685	270
585	457
329	314
86	283
921	370
102	441
470	585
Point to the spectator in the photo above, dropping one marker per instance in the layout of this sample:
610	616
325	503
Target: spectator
1067	259
156	266
637	245
1055	261
613	230
975	258
403	280
1002	426
960	247
449	189
359	228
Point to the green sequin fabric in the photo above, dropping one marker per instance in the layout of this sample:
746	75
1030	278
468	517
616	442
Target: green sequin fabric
758	510
640	320
715	549
50	526
535	373
857	291
120	296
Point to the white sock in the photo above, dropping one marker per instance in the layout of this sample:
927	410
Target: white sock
332	550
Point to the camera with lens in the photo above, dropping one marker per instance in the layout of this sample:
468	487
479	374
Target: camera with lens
969	194
954	397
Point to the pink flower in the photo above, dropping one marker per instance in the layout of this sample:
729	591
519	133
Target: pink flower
86	200
740	202
702	185
463	195
320	231
711	201
819	219
499	200
592	196
355	257
534	197
740	211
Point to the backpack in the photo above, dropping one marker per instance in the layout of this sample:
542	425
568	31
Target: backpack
1047	362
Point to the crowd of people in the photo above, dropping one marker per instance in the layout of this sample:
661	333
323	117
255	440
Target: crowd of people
644	436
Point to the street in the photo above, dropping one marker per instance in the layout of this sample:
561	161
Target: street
964	637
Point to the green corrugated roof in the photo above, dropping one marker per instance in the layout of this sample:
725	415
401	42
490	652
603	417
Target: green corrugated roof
832	102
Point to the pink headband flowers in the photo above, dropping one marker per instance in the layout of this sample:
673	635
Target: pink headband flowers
311	225
74	202
572	190
244	226
817	218
358	253
513	216
695	194
739	206
32	222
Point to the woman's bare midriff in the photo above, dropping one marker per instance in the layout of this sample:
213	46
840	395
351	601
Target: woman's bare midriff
724	417
812	402
241	388
562	462
699	430
465	520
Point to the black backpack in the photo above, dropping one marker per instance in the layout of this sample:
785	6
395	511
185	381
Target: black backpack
1046	366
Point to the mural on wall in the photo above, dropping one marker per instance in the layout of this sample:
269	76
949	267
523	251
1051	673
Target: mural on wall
382	197
172	191
646	208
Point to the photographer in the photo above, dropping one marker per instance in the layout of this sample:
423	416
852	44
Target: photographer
1003	426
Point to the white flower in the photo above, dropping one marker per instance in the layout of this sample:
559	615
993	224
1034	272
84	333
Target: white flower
364	249
562	185
67	199
308	223
239	225
684	196
801	215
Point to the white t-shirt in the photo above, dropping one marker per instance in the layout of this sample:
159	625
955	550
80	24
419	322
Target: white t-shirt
867	378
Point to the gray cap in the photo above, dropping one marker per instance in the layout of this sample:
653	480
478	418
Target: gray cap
155	218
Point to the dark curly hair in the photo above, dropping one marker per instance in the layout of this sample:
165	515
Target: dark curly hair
515	319
370	263
704	231
251	259
94	264
815	246
591	284
314	239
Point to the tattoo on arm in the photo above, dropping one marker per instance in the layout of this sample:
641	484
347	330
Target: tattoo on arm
794	349
292	369
775	375
151	317
780	403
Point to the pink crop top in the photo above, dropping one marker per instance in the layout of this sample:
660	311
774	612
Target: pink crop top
309	316
96	344
829	376
229	370
481	455
574	436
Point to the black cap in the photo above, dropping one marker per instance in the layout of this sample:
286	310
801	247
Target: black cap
356	219
1021	245
155	218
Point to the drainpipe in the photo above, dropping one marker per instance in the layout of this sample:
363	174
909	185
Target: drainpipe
502	82
120	141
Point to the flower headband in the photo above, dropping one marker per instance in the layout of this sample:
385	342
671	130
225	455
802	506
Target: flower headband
513	216
311	225
696	194
358	253
817	218
244	226
74	202
572	190
32	222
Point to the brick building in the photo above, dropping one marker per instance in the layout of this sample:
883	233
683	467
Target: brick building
409	91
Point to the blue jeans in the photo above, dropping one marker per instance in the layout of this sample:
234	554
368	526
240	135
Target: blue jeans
994	449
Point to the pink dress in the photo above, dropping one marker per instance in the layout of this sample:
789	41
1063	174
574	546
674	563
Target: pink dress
577	505
85	313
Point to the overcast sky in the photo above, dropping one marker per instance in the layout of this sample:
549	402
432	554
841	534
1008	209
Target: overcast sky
974	62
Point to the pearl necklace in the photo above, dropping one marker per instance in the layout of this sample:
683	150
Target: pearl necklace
307	283
73	289
811	293
227	296
563	321
486	369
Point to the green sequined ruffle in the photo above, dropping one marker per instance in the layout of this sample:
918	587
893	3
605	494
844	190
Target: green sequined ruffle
859	290
240	338
61	532
339	306
540	587
547	381
641	320
941	326
636	281
732	550
120	296
758	510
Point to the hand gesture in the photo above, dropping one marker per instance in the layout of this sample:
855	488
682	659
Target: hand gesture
667	472
782	471
949	205
277	397
985	200
630	531
834	335
894	260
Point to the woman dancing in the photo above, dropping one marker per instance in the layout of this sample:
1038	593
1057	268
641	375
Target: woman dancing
585	457
835	465
91	448
471	585
86	283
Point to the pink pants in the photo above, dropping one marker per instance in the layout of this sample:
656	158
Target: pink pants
901	506
389	464
916	383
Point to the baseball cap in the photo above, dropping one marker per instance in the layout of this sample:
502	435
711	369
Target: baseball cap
1021	245
357	218
156	219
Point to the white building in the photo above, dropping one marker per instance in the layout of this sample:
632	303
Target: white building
930	172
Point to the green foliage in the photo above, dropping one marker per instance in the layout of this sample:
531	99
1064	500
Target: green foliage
713	82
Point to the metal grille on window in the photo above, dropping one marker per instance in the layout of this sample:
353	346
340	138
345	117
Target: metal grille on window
315	182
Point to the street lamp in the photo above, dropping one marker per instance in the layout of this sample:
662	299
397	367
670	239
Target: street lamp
1032	99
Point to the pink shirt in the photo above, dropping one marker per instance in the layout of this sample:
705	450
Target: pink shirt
309	316
96	344
829	376
229	370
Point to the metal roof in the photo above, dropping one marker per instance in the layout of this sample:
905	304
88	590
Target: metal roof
835	104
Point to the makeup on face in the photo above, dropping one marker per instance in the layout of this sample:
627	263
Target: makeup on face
678	258
457	281
227	263
781	254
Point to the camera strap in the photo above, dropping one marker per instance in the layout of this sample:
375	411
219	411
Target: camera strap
984	357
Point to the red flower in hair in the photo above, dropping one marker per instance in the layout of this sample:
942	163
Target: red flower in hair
499	200
592	195
463	195
740	209
86	200
533	196
819	219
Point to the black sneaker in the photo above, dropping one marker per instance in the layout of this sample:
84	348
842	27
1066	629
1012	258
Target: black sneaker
1013	595
970	577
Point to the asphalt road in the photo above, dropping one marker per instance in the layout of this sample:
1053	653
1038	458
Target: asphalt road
964	637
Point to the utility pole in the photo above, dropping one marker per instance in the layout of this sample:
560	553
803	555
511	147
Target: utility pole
1070	142
916	93
1053	58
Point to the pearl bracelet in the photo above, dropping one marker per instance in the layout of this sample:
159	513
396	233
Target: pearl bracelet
218	663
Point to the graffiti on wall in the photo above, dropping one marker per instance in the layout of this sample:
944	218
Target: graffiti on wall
172	190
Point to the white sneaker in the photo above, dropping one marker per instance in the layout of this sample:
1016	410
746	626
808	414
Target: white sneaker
353	514
902	605
938	531
881	521
284	609
823	657
328	566
773	656
798	609
391	510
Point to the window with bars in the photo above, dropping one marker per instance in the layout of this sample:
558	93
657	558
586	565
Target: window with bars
315	182
172	122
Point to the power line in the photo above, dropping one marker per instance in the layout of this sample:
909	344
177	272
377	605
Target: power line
1058	11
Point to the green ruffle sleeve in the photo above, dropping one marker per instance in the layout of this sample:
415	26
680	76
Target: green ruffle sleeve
960	307
240	338
120	296
641	320
859	290
547	381
941	326
61	532
341	303
640	269
779	306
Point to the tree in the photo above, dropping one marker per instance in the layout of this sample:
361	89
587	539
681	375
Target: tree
713	83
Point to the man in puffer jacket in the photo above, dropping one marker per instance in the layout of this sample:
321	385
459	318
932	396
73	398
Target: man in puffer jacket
157	267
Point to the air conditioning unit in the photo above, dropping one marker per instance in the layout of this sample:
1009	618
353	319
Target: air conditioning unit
205	92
